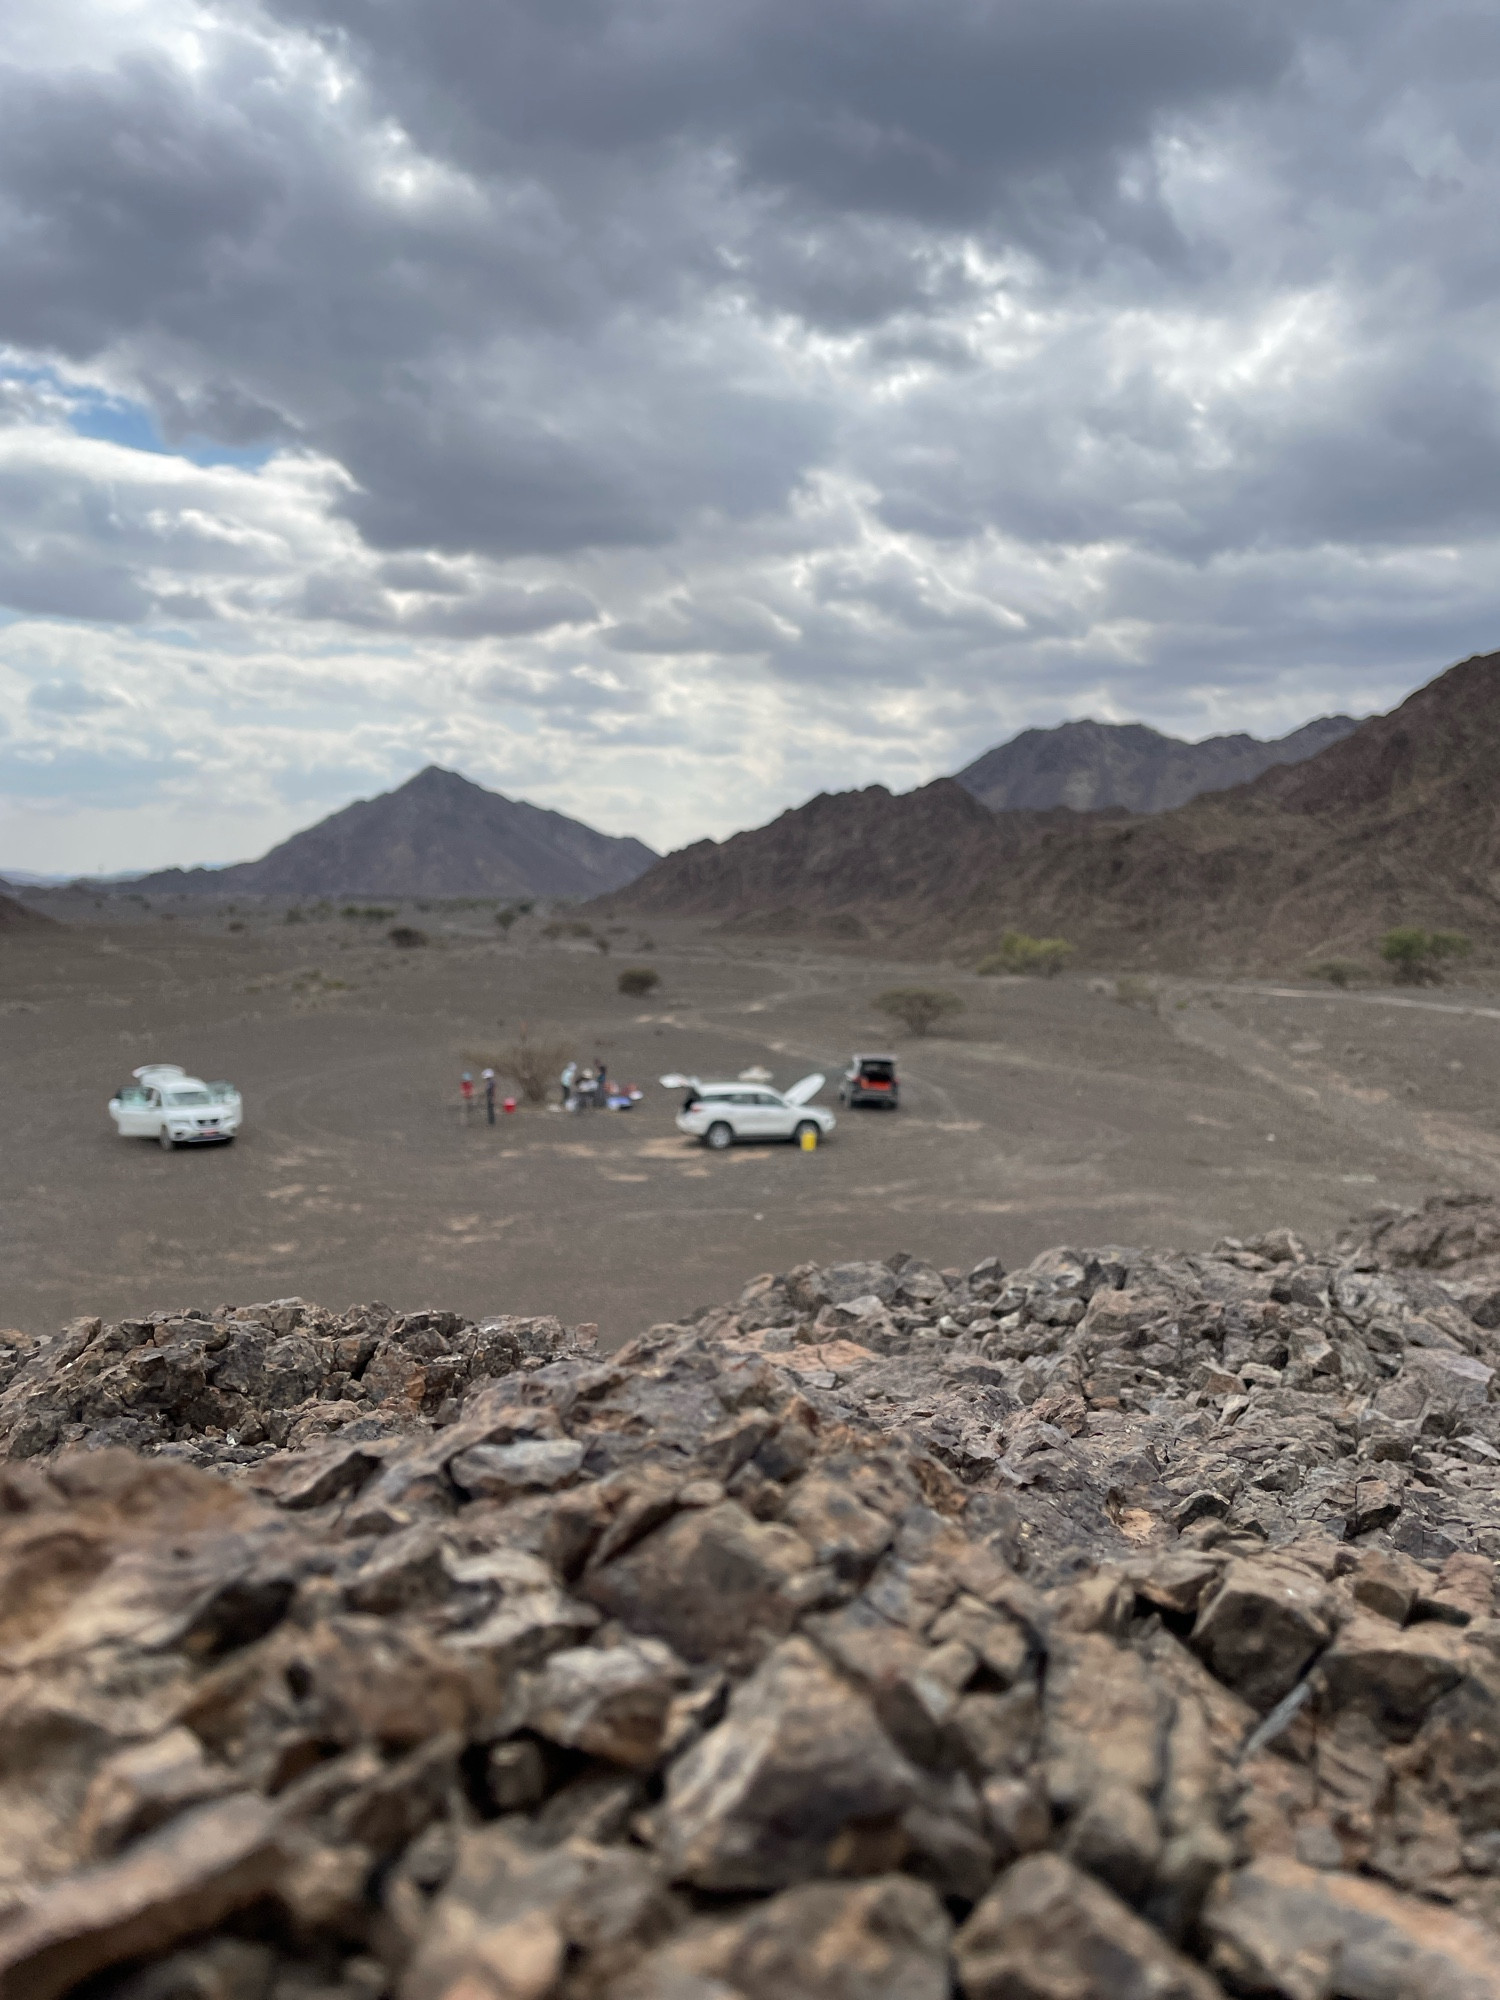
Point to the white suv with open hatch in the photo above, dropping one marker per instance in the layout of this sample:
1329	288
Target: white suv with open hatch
721	1113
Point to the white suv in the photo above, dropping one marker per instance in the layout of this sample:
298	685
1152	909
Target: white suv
164	1103
721	1113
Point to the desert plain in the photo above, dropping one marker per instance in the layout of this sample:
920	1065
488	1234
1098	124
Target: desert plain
1073	1109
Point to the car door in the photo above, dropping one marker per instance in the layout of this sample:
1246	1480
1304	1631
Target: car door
768	1116
134	1121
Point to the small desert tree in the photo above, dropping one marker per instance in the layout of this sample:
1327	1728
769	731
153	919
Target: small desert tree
1019	953
918	1008
1416	956
1338	971
533	1067
638	980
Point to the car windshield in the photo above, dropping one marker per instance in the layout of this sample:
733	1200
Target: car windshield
180	1097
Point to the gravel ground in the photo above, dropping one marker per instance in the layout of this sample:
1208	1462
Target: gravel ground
1046	1112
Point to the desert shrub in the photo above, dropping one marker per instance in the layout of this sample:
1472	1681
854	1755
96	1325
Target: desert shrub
561	927
236	925
506	917
602	944
846	925
533	1067
1416	956
371	913
294	916
406	937
917	1008
1450	944
637	980
1019	953
1133	992
1338	971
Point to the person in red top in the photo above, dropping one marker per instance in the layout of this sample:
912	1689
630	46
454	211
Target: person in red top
466	1092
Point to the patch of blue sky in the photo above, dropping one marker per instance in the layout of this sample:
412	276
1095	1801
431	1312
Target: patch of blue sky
118	421
95	413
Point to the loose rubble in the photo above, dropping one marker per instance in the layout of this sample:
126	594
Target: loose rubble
1122	1626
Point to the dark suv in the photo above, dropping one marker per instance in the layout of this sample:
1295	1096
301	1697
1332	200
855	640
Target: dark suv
870	1080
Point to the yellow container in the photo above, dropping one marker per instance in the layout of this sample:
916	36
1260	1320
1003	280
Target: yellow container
809	1141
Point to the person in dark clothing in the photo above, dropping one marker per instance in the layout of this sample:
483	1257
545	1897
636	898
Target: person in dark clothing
601	1084
489	1096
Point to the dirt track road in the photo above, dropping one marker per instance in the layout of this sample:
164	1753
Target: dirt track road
1049	1112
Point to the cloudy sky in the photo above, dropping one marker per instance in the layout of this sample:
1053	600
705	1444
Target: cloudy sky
663	410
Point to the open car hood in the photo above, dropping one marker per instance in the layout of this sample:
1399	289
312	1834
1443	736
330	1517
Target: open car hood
806	1090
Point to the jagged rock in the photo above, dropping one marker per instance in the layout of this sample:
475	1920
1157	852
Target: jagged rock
714	1583
183	1879
1140	1605
614	1702
511	1915
1262	1627
798	1766
1046	1931
1394	1676
881	1940
1280	1928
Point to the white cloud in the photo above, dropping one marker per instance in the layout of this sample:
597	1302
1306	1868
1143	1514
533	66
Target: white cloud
668	420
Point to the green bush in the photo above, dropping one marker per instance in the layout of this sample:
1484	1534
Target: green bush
1415	956
1017	952
1338	971
406	937
638	980
917	1008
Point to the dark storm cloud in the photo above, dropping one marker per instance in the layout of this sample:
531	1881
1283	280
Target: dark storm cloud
936	113
974	353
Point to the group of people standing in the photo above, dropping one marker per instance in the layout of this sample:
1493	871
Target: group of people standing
585	1089
466	1094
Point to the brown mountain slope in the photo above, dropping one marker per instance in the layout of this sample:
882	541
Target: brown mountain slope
840	851
436	835
15	916
1090	765
1398	823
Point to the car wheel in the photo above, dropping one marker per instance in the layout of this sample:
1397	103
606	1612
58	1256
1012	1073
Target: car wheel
802	1131
167	1143
718	1137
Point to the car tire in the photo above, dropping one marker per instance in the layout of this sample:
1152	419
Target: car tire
167	1143
719	1137
800	1131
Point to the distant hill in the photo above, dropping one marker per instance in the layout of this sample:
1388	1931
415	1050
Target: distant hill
15	916
1398	822
436	835
1093	765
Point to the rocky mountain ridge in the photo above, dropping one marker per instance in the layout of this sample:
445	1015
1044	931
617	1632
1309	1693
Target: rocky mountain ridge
1120	1625
1398	823
1090	766
437	835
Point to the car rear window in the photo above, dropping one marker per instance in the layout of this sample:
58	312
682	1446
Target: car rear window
877	1072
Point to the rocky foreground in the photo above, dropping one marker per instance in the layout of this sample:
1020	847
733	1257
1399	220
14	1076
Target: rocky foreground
1123	1626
